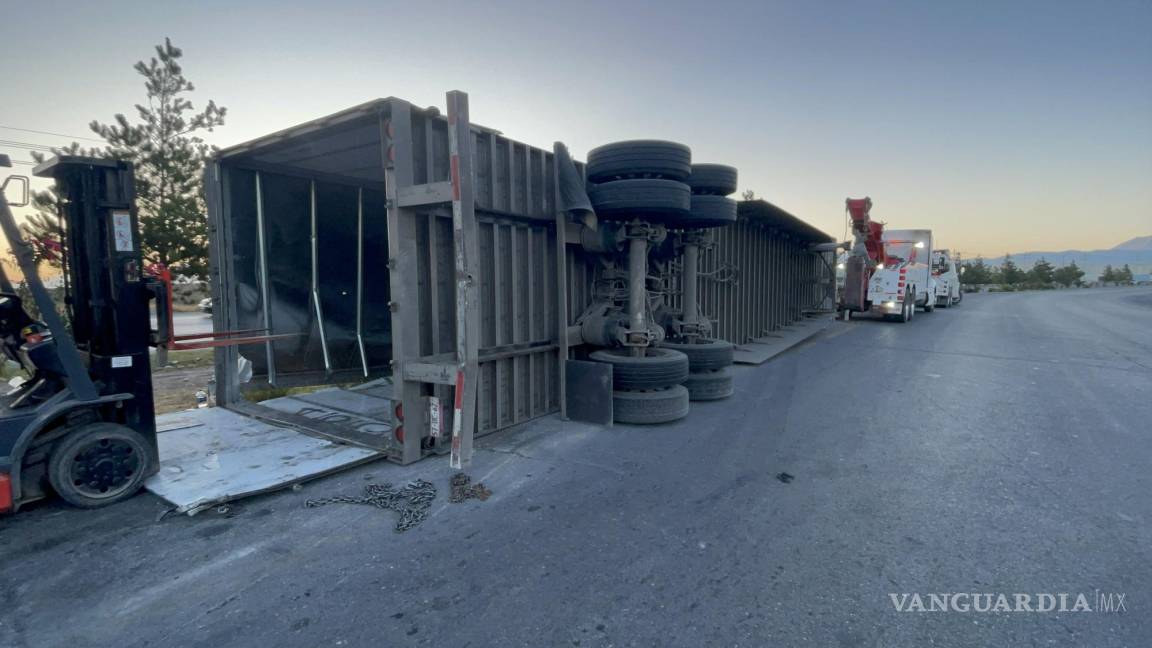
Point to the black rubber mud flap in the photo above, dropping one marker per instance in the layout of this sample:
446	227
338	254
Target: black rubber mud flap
588	391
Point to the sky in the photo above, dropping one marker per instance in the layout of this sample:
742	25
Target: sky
1002	126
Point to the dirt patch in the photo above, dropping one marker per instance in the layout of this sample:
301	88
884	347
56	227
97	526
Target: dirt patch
174	389
174	386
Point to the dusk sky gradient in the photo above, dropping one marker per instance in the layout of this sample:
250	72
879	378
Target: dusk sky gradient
1002	126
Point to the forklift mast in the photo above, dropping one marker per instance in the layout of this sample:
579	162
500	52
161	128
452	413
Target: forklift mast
106	292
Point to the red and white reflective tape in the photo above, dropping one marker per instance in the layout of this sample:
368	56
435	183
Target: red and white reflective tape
457	419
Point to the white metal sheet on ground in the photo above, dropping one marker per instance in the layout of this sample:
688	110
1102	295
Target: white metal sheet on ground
213	455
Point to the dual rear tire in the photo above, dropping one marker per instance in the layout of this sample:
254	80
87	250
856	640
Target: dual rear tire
709	360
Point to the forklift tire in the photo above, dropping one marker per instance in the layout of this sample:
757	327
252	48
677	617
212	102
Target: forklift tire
648	407
705	354
645	198
658	369
639	159
712	179
98	464
709	385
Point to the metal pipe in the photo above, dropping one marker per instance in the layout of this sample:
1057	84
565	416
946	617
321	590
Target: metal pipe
262	256
690	278
360	279
316	277
637	276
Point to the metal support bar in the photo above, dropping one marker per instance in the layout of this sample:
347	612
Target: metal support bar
360	279
217	196
265	292
691	279
637	293
425	194
316	278
397	155
561	288
467	292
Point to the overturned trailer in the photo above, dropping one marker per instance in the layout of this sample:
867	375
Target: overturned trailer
432	261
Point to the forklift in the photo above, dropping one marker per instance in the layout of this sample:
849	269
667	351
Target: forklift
82	424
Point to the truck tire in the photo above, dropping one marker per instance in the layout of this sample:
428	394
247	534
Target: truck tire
639	159
712	179
98	464
708	211
709	385
929	307
646	199
704	354
658	369
648	407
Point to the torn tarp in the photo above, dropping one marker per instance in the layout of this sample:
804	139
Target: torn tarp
573	196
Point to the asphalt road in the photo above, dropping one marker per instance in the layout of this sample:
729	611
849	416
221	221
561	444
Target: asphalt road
999	447
189	323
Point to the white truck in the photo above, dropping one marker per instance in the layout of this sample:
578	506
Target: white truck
947	277
903	281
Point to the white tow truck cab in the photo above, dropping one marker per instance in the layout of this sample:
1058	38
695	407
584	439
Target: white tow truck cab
947	277
903	281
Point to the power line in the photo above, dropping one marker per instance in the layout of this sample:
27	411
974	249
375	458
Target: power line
25	145
40	132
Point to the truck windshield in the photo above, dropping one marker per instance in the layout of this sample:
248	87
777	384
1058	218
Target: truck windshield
900	251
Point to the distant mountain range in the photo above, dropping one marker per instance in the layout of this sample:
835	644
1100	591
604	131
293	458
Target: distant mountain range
1138	243
1137	253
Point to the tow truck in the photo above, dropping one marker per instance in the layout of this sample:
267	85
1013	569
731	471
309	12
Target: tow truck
947	278
886	271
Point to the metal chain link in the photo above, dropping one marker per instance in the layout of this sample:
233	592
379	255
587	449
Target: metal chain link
411	502
461	490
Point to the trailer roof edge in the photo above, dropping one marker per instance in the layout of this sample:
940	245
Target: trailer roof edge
773	216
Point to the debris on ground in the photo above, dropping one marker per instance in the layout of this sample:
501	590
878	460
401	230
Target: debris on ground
411	502
462	489
785	477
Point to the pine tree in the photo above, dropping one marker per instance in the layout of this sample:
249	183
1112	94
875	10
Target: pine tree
1109	274
1041	273
1010	273
976	272
169	155
1068	275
